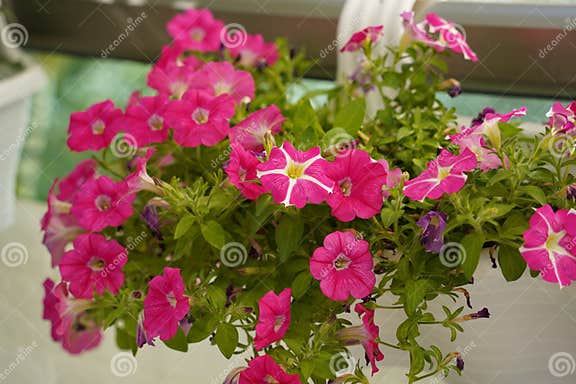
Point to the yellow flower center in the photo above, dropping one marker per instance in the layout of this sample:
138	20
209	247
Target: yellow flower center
295	170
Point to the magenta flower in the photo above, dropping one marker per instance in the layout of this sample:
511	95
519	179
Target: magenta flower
172	77
343	266
433	224
71	184
295	177
93	129
263	369
69	323
273	318
165	304
359	181
366	334
223	79
490	127
103	203
140	180
562	119
393	177
368	35
94	265
550	245
487	157
144	120
200	118
443	175
251	131
196	30
255	52
242	172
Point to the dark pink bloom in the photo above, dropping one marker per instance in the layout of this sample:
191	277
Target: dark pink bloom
295	177
263	369
71	184
221	78
140	180
369	35
273	318
94	265
443	175
196	30
255	52
172	77
200	118
144	120
242	172
103	203
550	245
343	266
367	334
251	131
93	129
359	181
393	178
562	119
165	304
70	325
487	157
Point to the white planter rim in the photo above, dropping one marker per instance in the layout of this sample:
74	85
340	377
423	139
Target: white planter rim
23	84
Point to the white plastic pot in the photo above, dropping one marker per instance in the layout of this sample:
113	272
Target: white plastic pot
15	126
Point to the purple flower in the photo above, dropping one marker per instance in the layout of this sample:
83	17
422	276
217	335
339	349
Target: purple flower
571	192
481	314
455	91
482	115
433	224
460	363
150	216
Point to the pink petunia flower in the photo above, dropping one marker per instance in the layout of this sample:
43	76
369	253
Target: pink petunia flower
295	177
550	245
71	184
562	119
103	203
490	127
263	369
69	323
273	318
140	180
368	35
255	52
359	181
487	158
196	30
343	266
444	174
250	132
439	34
200	118
144	120
242	172
165	304
223	79
93	129
94	265
366	334
393	177
171	76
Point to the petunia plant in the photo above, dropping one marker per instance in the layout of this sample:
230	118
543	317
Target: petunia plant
218	207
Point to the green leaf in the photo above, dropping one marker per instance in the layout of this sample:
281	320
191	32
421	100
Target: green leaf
183	226
494	211
202	327
305	116
306	367
416	360
216	296
472	244
301	284
214	234
226	339
534	192
351	116
288	235
179	342
388	216
514	225
415	293
511	262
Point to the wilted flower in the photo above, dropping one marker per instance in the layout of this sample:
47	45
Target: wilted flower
433	224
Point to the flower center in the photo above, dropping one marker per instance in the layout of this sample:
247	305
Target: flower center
197	34
200	116
279	321
242	174
103	202
171	299
156	123
221	88
342	262
346	186
96	264
295	170
98	127
553	243
271	380
443	172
